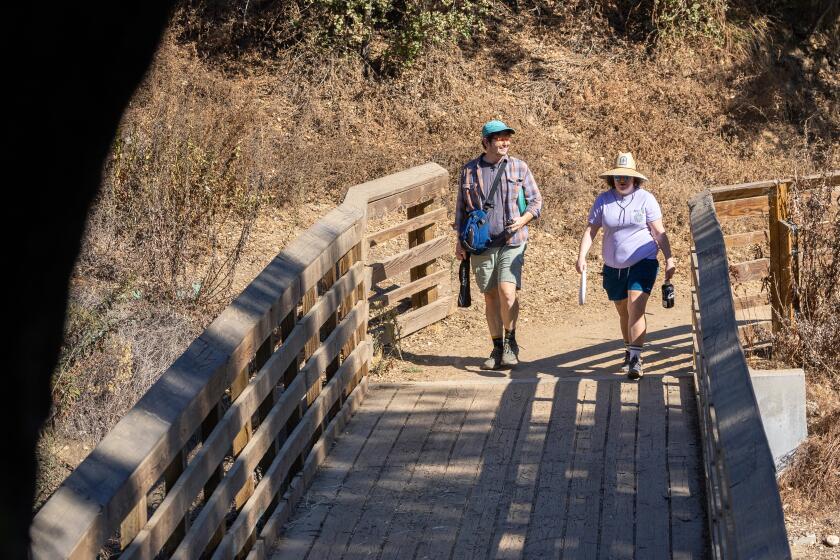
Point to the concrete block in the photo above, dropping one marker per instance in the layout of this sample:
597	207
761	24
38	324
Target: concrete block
781	402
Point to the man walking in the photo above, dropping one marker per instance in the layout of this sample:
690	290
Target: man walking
498	270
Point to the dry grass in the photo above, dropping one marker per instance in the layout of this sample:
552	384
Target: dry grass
813	481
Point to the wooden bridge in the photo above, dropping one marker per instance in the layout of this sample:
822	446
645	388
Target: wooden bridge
245	447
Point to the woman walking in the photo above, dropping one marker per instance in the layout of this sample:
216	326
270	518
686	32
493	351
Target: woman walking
633	235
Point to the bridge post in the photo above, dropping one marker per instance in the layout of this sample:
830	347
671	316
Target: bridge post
781	254
416	238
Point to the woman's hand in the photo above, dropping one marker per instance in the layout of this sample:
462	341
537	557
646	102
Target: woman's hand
670	268
580	265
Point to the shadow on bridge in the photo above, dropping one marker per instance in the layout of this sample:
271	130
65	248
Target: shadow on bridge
668	351
564	467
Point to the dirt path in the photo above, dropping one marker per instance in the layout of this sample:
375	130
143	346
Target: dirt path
559	342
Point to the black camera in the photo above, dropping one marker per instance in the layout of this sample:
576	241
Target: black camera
667	295
509	223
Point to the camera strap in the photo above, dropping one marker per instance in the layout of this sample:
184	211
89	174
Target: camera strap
488	202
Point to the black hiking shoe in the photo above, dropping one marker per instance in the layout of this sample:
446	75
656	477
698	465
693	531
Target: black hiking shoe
625	367
509	358
514	346
495	359
634	371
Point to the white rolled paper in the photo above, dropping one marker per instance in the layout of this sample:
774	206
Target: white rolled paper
582	290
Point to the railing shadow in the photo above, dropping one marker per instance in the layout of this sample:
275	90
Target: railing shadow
667	351
565	468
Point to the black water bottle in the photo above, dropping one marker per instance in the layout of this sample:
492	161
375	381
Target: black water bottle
667	295
464	298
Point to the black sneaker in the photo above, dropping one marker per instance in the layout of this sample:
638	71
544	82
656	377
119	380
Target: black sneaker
634	371
509	358
515	348
495	359
625	367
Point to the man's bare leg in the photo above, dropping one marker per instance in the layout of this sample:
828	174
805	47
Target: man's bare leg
493	314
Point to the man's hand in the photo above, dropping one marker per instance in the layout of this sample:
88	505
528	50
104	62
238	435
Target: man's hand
517	224
580	265
460	252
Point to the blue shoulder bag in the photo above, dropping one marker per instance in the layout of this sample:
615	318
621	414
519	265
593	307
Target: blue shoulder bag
475	231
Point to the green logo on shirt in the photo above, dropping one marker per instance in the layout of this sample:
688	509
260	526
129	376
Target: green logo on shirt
639	216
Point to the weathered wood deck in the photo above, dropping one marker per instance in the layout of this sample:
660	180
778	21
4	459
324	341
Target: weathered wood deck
568	468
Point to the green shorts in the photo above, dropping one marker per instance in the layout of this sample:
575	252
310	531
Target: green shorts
498	264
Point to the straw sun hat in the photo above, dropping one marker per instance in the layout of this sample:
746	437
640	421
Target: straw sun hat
624	165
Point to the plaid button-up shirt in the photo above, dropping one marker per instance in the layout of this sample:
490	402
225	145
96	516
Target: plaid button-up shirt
472	192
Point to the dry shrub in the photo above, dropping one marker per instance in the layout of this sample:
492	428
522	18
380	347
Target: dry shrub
184	182
811	340
181	190
813	480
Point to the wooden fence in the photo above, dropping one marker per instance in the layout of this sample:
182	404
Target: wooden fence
765	275
214	456
743	504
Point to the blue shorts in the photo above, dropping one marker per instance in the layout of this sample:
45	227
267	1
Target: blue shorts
639	277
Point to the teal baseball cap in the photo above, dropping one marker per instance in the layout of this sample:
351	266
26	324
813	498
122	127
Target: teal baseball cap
493	127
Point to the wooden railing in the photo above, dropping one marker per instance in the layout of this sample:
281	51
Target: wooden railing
214	456
743	504
765	277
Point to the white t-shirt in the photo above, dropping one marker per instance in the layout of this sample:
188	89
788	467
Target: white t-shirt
625	219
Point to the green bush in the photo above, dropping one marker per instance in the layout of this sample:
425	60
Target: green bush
388	34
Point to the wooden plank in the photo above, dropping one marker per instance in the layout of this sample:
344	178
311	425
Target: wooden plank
545	538
295	539
745	239
405	260
685	472
258	552
749	301
740	191
303	479
512	527
170	478
205	463
393	296
759	188
580	537
416	238
394	485
755	333
753	206
413	516
477	526
617	517
246	522
216	505
415	223
357	486
432	187
462	470
781	251
750	478
133	523
749	270
652	526
396	183
415	320
241	439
